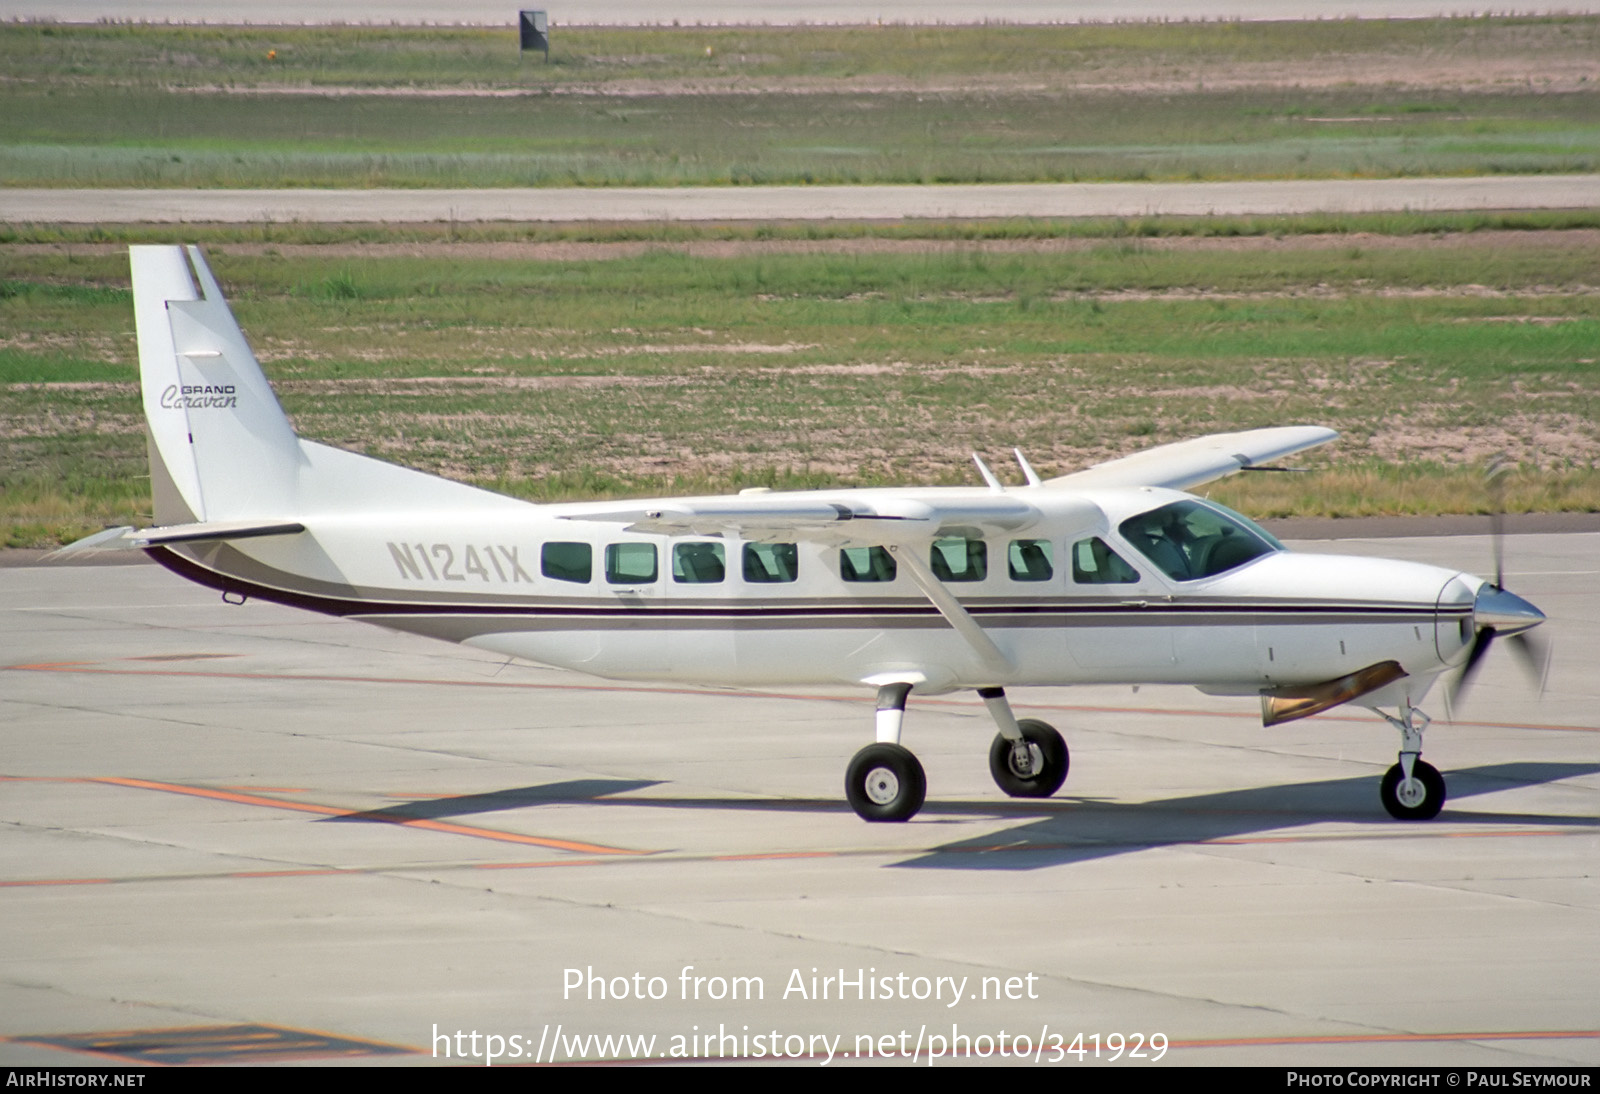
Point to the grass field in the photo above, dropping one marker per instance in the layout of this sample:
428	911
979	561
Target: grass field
572	360
130	105
671	371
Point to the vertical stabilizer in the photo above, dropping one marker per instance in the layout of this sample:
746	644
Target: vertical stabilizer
220	446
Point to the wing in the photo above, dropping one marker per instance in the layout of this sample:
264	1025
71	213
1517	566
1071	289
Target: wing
816	518
1188	464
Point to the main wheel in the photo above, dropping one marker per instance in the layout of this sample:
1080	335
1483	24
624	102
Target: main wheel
1420	799
885	783
1047	763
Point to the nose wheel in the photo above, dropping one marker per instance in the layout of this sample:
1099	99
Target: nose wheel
1419	797
884	782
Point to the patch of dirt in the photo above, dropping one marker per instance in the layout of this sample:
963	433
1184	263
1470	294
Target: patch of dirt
1546	441
55	423
1153	75
572	251
423	385
1534	320
1331	292
97	347
106	387
699	347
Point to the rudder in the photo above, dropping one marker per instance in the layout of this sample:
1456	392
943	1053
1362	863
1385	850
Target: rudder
220	445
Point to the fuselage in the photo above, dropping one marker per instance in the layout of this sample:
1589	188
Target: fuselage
1080	591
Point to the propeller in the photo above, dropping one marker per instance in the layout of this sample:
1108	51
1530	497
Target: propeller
1497	613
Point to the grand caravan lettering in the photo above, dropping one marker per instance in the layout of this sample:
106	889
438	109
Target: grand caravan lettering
199	397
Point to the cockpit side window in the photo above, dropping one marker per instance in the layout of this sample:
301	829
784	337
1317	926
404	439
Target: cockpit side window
1188	541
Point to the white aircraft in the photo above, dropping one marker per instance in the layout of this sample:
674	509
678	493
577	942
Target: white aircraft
1108	575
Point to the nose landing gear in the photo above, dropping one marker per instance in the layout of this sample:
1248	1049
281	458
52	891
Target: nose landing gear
1411	789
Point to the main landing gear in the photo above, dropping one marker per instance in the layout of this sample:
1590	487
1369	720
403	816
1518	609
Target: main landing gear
1411	789
885	782
1028	759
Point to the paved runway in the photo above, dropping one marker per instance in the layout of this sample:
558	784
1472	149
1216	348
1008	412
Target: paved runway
220	818
1129	199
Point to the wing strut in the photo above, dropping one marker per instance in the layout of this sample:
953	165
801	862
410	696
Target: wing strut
957	616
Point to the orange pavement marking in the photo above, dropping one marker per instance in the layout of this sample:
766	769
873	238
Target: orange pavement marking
331	811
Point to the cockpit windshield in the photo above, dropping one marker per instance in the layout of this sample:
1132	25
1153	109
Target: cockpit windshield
1188	540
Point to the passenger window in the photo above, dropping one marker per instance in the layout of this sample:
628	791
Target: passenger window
866	564
955	558
1094	563
698	563
1030	560
771	563
567	561
630	563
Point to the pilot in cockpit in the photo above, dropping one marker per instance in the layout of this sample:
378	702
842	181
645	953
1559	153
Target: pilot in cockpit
1165	540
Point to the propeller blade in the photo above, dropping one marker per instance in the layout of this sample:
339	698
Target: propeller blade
1480	646
1534	655
1495	480
1495	611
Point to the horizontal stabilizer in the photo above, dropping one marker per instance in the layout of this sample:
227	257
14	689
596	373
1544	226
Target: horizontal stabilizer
109	539
215	530
1187	464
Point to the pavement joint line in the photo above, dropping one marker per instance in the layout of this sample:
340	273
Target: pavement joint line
1290	1040
98	668
863	852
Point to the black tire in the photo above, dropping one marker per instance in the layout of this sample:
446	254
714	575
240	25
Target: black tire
1425	808
885	783
1050	757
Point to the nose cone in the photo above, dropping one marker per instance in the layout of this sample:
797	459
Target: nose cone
1506	612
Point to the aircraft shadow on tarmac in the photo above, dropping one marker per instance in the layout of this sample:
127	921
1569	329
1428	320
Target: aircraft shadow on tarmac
1062	831
1092	829
575	790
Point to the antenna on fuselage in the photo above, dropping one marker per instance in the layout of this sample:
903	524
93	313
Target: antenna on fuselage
1027	469
988	476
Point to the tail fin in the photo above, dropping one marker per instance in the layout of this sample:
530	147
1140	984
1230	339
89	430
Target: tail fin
221	448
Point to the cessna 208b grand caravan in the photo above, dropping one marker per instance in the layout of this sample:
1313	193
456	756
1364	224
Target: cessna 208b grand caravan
1108	575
